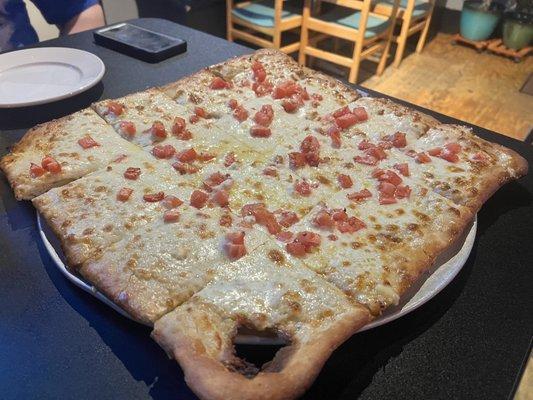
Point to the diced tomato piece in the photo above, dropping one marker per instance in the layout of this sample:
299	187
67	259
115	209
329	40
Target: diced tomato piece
403	168
216	179
193	119
232	103
270	171
200	112
285	89
114	108
398	140
388	176
366	159
296	160
51	165
384	200
87	142
309	144
219	83
287	218
435	152
198	199
259	71
422	158
308	239
411	153
295	249
453	147
360	113
260	131
158	131
221	197
290	105
323	220
317	97
250	209
154	197
120	158
365	145
36	170
240	113
402	192
360	195
187	156
346	120
383	144
171	202
312	158
341	111
262	88
339	215
386	189
235	237
132	173
285	236
303	188
229	159
164	152
124	194
265	115
335	134
481	157
178	126
234	251
351	225
449	156
128	128
184	134
345	181
171	216
376	152
184	168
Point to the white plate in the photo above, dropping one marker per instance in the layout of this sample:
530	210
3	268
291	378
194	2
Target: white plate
45	74
446	267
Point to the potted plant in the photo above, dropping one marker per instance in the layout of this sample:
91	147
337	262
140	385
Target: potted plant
518	25
478	19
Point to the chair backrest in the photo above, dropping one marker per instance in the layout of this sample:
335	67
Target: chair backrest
361	5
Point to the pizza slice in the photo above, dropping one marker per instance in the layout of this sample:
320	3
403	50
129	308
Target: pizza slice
57	152
374	239
159	265
263	291
99	209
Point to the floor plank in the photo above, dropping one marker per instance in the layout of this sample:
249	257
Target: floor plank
482	89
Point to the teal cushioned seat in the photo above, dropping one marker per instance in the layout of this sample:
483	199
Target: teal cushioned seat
351	19
421	6
261	13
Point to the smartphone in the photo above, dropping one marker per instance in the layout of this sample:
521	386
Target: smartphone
140	43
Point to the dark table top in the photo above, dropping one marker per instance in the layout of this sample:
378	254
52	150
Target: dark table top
58	342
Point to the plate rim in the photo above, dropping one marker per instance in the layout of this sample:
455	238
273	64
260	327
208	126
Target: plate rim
465	249
80	89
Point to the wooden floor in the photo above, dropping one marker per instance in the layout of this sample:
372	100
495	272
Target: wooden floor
482	89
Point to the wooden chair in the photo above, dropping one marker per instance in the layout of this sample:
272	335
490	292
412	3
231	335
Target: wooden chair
352	21
270	18
413	16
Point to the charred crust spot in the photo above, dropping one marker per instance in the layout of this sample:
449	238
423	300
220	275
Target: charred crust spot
276	256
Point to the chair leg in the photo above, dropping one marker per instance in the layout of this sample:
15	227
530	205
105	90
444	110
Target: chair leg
304	32
229	24
383	59
354	69
277	39
423	35
402	40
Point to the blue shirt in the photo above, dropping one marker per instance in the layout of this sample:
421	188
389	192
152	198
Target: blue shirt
15	28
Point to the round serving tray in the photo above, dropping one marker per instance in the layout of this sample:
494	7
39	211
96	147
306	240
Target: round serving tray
443	271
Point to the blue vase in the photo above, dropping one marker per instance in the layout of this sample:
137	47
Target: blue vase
477	24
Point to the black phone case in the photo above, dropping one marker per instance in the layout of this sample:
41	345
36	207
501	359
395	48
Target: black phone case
139	52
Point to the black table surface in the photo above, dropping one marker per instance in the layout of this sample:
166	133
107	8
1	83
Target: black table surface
58	342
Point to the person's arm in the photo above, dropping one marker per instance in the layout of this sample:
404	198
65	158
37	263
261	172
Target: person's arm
72	16
92	17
